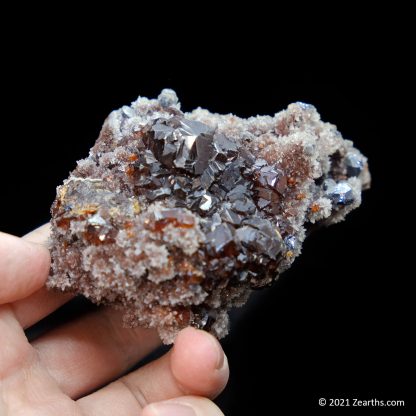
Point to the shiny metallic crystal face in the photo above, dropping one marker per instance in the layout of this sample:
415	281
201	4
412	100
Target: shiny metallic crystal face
339	193
355	163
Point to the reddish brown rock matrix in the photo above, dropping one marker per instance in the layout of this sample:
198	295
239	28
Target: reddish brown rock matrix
175	217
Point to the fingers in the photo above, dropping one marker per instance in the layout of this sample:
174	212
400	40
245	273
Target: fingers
25	386
195	366
33	308
198	363
39	235
183	406
15	350
90	351
24	267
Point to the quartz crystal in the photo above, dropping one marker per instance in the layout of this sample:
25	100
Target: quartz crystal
175	217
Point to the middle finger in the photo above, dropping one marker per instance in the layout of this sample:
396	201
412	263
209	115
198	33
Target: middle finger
92	350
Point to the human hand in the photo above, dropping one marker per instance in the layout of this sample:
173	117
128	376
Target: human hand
59	373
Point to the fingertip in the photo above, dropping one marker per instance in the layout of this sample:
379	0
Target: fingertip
40	259
39	235
192	341
24	267
198	362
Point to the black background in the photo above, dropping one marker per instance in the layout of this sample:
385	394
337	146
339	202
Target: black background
337	325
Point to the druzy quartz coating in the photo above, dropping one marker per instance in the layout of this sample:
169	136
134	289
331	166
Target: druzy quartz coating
175	217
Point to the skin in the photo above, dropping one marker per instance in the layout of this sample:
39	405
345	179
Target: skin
70	370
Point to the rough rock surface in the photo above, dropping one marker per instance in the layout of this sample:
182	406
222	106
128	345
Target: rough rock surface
175	217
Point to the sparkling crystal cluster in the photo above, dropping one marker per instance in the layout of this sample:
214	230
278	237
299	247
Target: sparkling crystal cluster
175	217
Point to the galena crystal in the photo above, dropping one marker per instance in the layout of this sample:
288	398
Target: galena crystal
175	217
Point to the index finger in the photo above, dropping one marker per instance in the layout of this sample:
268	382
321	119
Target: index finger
24	267
33	308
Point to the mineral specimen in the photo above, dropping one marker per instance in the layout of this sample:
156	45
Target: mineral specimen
175	217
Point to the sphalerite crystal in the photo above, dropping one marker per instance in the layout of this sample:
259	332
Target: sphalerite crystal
175	217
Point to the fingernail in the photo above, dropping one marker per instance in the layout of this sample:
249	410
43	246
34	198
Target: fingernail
170	409
223	362
221	358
